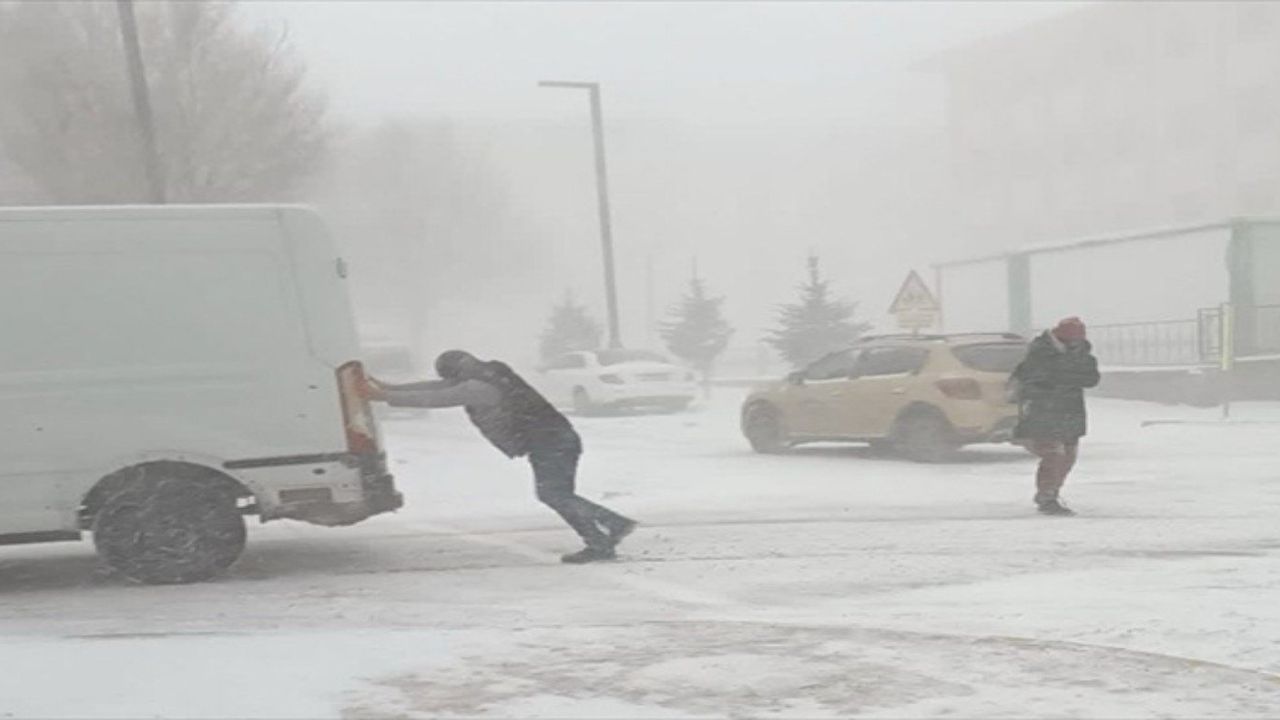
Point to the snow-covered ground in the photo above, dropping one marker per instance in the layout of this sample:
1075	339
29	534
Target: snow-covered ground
828	582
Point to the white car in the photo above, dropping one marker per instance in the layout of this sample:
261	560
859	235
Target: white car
609	379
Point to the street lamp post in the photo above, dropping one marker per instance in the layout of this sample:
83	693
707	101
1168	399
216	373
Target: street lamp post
602	197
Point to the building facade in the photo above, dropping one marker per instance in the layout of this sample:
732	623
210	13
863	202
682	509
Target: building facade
1115	116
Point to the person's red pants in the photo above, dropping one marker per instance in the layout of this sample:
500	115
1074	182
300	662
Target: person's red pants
1056	460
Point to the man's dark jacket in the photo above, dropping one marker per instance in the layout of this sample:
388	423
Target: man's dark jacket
503	407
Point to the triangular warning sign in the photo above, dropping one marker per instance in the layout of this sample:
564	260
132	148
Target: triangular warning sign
914	297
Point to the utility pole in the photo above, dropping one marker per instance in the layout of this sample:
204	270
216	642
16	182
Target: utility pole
602	200
141	100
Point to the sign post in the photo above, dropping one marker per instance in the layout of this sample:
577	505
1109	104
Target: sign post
1227	364
914	306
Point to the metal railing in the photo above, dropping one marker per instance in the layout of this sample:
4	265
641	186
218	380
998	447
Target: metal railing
1173	342
1210	330
1255	332
1170	343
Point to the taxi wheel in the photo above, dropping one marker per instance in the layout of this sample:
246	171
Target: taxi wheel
765	430
925	436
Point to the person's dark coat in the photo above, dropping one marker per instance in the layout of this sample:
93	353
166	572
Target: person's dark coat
1050	384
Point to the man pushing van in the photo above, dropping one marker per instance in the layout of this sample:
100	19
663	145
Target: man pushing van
520	423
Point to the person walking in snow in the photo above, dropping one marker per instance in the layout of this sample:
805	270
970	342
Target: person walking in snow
518	421
1049	387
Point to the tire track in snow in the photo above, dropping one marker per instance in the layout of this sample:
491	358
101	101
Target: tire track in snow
659	589
733	611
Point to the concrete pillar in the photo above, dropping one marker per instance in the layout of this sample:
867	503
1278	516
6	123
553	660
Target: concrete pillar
1019	270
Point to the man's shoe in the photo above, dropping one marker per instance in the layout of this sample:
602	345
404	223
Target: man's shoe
589	555
618	531
1053	507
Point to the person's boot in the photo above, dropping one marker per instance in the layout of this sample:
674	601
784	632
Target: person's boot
589	554
619	529
1055	507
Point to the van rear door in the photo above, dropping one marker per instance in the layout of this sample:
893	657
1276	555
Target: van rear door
135	332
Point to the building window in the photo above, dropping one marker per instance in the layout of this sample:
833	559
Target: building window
1257	111
1255	20
1189	125
1178	43
1118	52
1126	138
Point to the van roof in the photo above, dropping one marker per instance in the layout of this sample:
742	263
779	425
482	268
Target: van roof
143	212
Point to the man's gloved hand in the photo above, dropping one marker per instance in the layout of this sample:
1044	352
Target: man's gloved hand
371	389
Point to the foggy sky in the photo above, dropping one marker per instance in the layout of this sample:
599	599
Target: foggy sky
744	135
707	62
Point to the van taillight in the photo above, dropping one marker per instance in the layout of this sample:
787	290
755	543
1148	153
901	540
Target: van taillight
960	388
357	415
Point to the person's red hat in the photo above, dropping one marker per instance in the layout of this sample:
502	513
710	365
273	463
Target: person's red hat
1070	330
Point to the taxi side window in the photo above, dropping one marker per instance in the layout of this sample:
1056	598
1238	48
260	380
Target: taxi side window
891	361
837	365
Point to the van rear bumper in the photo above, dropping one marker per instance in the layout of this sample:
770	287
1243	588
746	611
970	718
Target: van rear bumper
338	502
380	492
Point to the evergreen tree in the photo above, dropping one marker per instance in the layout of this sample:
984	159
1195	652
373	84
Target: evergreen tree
817	324
697	332
570	329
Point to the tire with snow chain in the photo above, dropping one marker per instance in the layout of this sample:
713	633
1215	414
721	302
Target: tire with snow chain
169	529
763	426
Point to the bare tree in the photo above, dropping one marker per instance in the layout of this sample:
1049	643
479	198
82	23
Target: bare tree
436	237
235	119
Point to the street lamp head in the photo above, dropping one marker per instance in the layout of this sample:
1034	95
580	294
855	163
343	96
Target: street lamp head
575	84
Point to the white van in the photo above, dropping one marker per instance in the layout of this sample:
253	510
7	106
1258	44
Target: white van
166	371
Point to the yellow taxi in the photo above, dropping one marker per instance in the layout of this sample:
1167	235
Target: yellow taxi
923	395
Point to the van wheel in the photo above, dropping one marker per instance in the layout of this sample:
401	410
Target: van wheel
925	436
763	426
582	404
166	530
